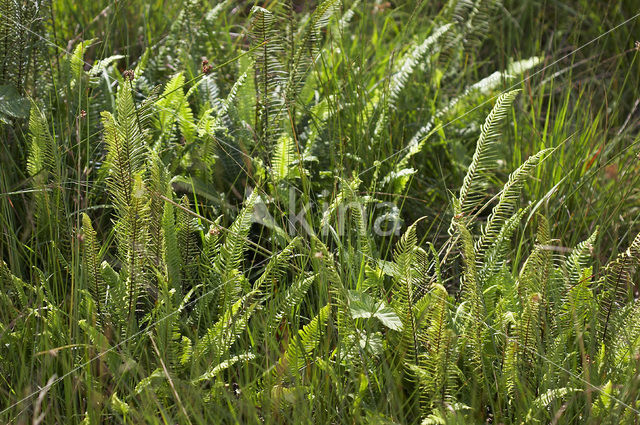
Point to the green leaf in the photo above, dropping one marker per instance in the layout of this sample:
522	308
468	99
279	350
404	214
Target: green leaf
363	306
12	105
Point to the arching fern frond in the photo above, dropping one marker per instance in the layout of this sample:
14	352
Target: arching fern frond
484	158
507	201
411	59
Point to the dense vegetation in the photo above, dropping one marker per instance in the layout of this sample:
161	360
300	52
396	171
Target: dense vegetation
319	212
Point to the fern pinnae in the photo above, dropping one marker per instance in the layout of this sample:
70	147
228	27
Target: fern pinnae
307	339
403	293
472	295
171	252
484	157
411	59
309	45
275	268
507	201
270	75
614	284
91	264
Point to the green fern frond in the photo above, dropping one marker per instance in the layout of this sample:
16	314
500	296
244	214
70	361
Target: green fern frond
158	187
615	284
275	269
411	59
219	338
472	296
496	255
270	75
579	258
404	297
171	252
235	241
308	48
91	264
296	355
44	165
222	366
482	87
507	201
282	160
484	158
187	228
286	301
438	361
173	107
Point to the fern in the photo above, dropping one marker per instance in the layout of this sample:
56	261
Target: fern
270	75
404	298
614	285
484	158
174	108
91	264
126	159
472	296
44	165
283	158
482	87
296	355
507	201
411	59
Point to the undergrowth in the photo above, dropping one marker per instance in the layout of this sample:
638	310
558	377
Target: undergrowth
338	212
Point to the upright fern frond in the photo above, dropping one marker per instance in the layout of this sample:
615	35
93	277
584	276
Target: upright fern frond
229	261
438	361
296	355
270	76
44	165
158	187
472	295
615	285
308	49
484	158
126	159
91	264
173	107
482	87
282	160
187	228
404	297
473	18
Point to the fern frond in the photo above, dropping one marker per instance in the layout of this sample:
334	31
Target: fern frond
404	297
439	359
296	355
507	201
187	228
308	48
219	338
235	241
286	301
91	264
270	75
282	160
482	87
484	158
472	296
173	107
614	285
411	59
171	252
